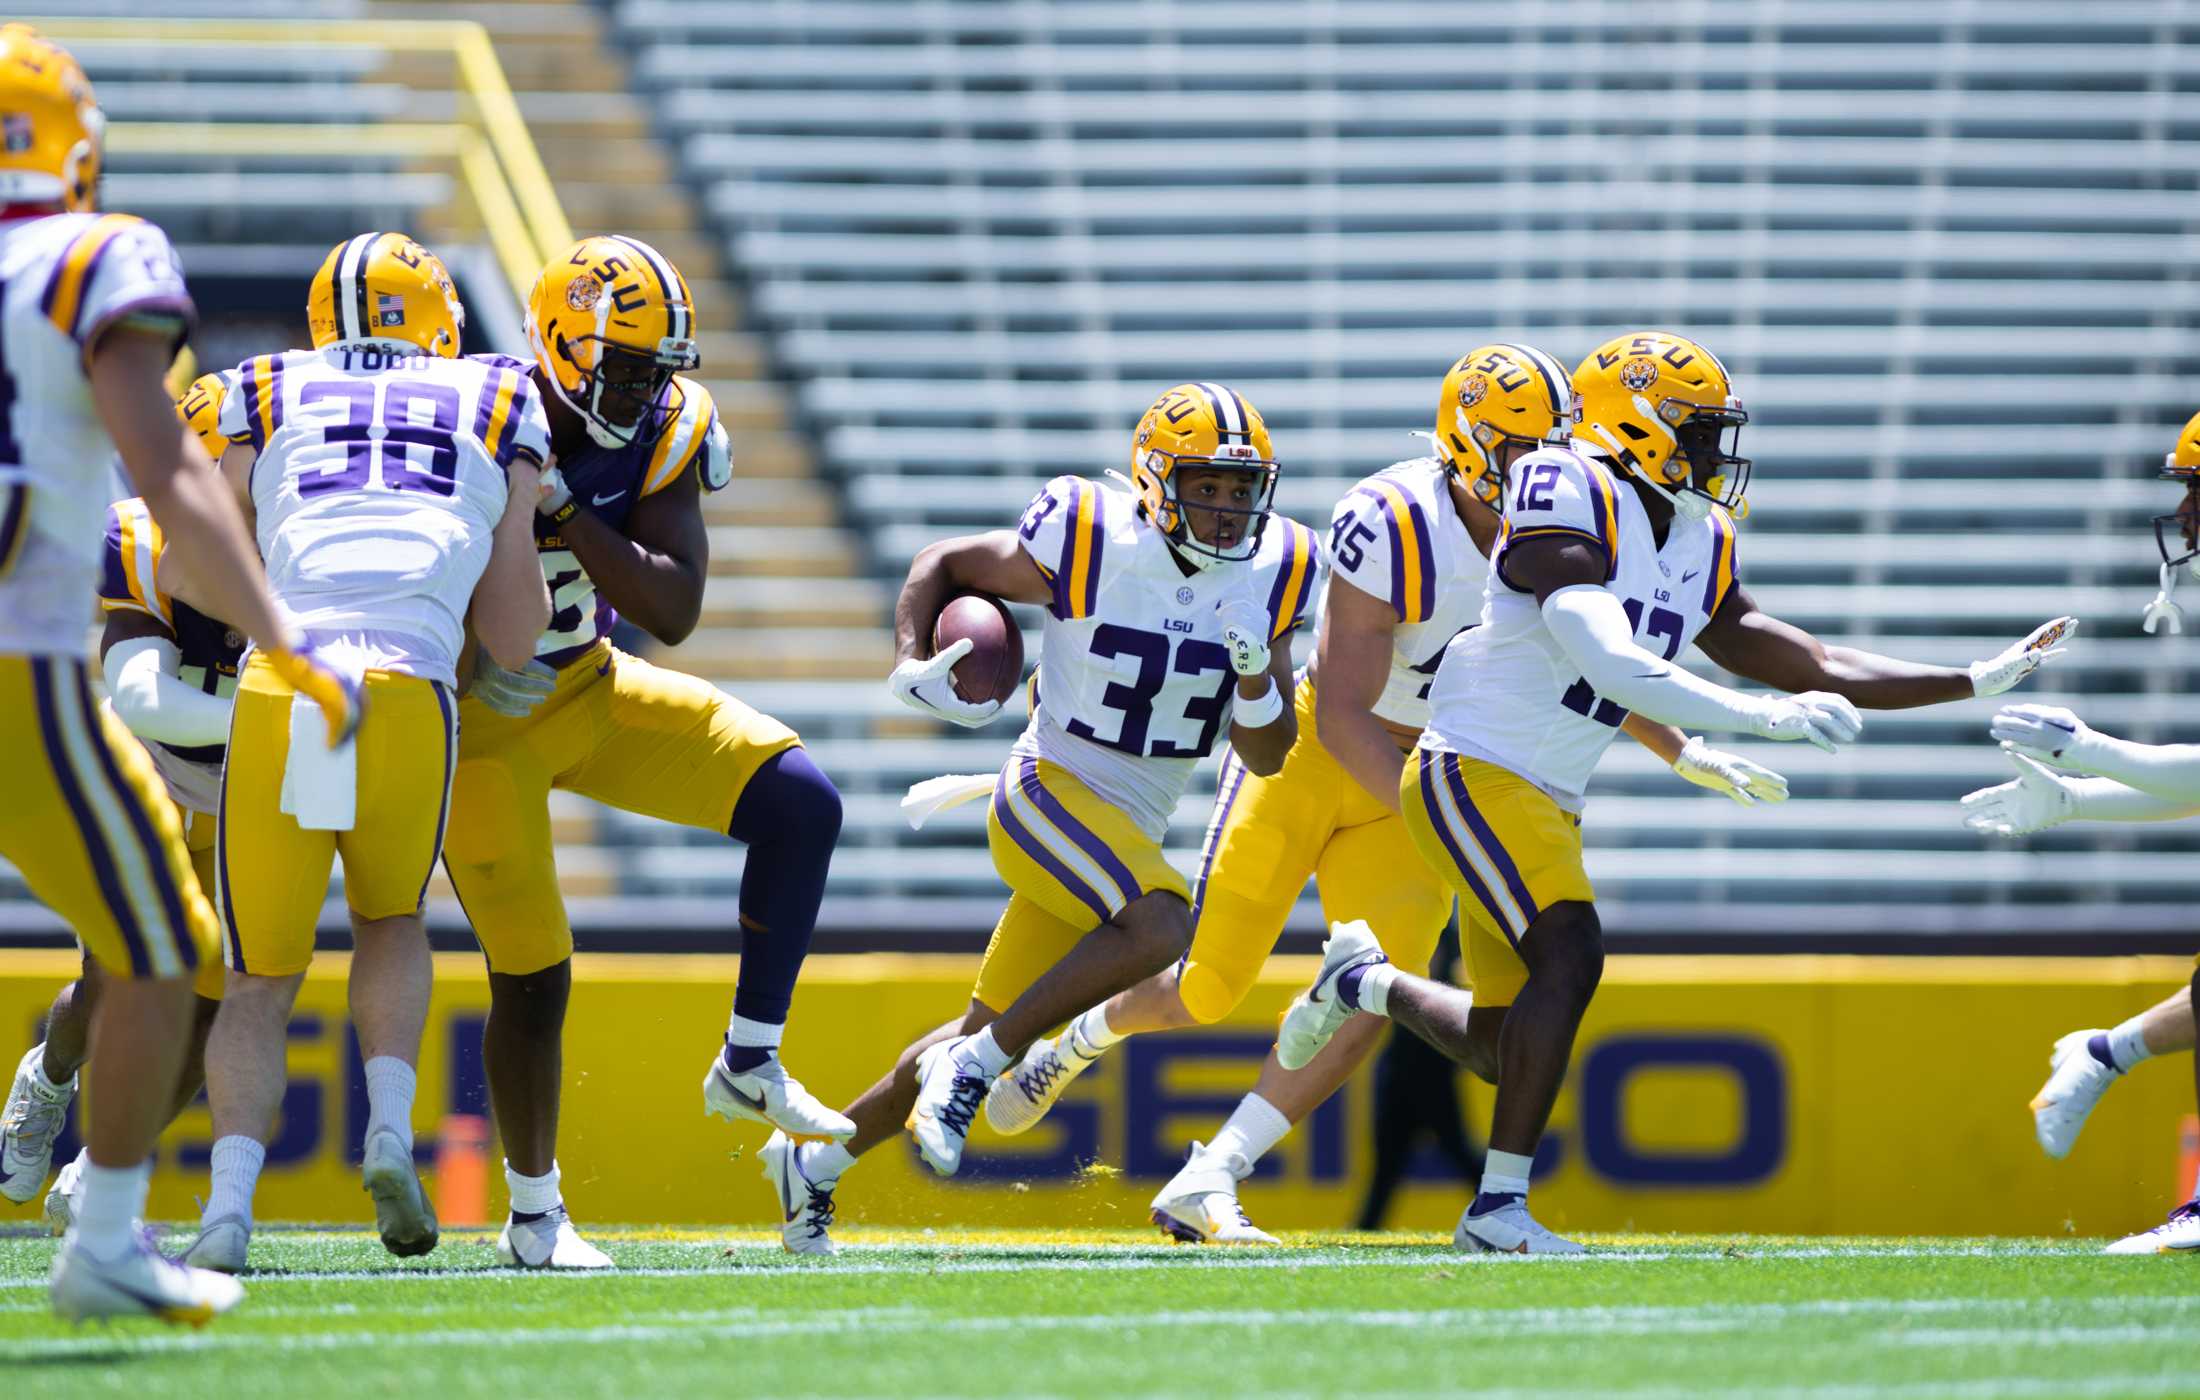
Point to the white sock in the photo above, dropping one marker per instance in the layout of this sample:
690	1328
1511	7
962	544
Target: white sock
1255	1125
390	1087
2127	1044
1374	991
46	1088
745	1034
108	1206
237	1163
985	1052
1090	1033
1506	1174
828	1162
532	1195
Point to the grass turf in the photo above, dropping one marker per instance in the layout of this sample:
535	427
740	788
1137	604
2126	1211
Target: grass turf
1095	1313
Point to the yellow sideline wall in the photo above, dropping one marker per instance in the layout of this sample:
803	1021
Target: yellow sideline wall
1780	1094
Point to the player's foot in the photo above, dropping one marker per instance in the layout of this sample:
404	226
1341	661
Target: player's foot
2180	1234
60	1203
2075	1082
548	1241
138	1283
1200	1204
1021	1097
1318	1012
950	1087
768	1094
28	1125
401	1210
805	1205
1505	1227
222	1245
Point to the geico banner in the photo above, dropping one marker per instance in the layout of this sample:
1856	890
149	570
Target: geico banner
1771	1094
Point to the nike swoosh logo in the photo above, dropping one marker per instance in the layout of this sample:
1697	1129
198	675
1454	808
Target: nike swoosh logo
746	1100
1690	574
606	500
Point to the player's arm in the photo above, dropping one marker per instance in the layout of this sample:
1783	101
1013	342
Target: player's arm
511	604
141	661
994	562
2038	798
1352	663
2050	734
1263	723
653	573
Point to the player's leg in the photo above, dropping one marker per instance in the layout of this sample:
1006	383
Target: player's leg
2084	1063
2180	1234
44	1086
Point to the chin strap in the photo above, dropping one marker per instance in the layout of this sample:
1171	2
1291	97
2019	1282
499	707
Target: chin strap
2162	610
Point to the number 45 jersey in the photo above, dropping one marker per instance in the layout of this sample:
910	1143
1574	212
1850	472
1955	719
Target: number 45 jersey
1506	692
1135	684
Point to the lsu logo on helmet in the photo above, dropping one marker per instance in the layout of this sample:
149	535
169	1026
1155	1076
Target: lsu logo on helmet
1498	394
384	286
51	128
1658	405
611	322
200	407
1195	426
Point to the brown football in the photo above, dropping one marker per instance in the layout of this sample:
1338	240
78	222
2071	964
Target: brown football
996	661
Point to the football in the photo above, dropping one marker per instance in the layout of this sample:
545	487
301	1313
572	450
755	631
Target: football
996	660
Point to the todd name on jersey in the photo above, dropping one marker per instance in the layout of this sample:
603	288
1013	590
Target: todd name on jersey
608	481
1506	691
64	280
1135	684
1397	536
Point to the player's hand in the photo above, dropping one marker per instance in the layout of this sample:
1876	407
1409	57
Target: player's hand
1816	716
1245	633
342	700
2034	801
514	693
2048	733
1747	783
2048	641
928	686
555	494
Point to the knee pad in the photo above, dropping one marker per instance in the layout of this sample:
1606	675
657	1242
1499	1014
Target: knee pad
790	802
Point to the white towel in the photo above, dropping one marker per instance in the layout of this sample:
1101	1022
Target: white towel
935	795
321	784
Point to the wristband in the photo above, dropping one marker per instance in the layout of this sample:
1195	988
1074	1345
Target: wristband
567	511
1259	714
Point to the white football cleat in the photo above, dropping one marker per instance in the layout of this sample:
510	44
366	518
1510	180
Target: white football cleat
1021	1097
222	1245
770	1095
1509	1229
29	1123
1317	1013
949	1092
1200	1204
2075	1082
140	1283
549	1242
805	1205
60	1203
2180	1234
402	1212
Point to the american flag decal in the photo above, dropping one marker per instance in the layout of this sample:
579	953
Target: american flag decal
389	309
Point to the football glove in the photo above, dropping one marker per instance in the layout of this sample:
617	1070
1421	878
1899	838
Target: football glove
926	685
514	693
1747	783
1245	633
1817	716
341	698
1997	674
2034	801
555	493
2047	733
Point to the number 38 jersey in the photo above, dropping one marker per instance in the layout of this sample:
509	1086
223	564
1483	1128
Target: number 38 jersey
1134	684
378	486
1506	691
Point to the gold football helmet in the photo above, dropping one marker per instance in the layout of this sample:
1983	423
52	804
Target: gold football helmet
611	322
1500	394
384	286
1657	405
1203	426
2177	534
200	407
51	127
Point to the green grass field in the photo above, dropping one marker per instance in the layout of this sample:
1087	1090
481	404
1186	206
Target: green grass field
910	1314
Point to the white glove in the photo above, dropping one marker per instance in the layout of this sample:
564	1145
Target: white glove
927	686
1245	633
1997	674
2048	733
508	692
1747	783
1822	718
2035	801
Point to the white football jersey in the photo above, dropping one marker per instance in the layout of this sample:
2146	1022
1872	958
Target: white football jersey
1506	691
379	483
64	280
1397	536
1134	683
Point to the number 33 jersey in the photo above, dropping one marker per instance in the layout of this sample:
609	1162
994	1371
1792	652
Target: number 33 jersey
1506	691
379	481
1134	684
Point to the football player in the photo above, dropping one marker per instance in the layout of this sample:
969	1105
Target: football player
620	532
92	308
170	672
393	486
1163	609
2069	771
1615	554
1408	547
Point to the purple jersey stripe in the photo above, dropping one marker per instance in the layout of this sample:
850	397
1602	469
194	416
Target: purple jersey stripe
150	845
15	500
1029	845
1064	606
248	384
508	436
1097	527
44	687
1487	839
1606	536
1424	550
1459	860
1722	546
91	279
482	413
1080	835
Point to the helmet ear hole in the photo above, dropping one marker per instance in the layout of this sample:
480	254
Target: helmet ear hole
1634	433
